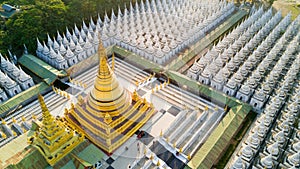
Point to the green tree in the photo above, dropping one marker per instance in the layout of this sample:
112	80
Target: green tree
24	27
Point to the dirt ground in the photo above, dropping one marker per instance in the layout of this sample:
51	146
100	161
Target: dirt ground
288	5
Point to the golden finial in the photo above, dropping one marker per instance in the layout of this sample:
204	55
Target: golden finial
23	118
205	108
113	62
66	111
80	100
152	90
3	122
80	84
180	150
3	135
42	103
14	120
107	118
135	95
103	68
72	106
70	80
33	117
14	134
145	151
174	145
189	157
160	86
151	157
167	139
158	163
161	133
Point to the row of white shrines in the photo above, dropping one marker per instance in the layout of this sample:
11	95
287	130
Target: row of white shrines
155	30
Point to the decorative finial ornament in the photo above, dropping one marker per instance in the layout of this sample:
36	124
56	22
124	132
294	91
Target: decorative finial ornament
158	163
3	122
151	157
189	157
42	103
206	108
103	68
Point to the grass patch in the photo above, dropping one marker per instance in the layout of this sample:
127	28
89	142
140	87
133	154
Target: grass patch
236	140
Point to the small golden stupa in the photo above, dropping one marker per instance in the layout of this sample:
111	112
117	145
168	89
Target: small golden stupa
53	138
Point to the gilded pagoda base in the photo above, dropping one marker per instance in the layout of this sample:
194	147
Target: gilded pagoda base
118	132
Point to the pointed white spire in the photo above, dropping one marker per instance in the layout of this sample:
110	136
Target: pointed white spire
74	37
119	12
130	8
92	24
106	19
89	37
125	11
68	34
76	30
81	41
39	45
45	50
113	16
78	48
137	8
52	56
82	34
59	38
62	49
65	40
72	44
55	45
84	27
50	42
99	21
91	29
59	57
69	53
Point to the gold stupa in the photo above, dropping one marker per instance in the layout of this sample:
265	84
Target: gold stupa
110	114
53	138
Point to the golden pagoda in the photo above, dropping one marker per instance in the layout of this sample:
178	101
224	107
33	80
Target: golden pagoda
54	139
110	114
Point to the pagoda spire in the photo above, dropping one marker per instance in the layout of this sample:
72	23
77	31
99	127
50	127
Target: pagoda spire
46	114
54	139
103	66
